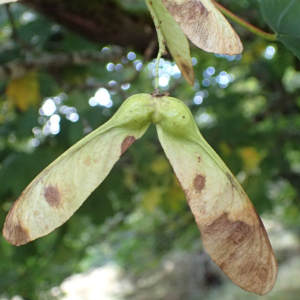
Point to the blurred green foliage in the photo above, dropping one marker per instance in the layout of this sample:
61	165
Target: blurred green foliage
247	107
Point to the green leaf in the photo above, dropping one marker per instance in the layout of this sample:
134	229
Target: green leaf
74	42
283	17
36	32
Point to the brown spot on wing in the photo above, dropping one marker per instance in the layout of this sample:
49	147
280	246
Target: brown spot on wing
88	161
127	143
52	195
15	234
199	183
228	242
235	232
188	10
241	249
194	9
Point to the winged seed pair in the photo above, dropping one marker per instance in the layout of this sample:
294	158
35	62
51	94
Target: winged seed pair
231	230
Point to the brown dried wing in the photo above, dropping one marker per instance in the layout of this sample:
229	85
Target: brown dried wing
231	230
205	26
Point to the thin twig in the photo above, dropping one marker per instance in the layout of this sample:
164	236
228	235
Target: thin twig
246	25
161	42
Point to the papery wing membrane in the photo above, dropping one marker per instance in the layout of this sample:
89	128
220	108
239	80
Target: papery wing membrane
231	230
205	26
58	191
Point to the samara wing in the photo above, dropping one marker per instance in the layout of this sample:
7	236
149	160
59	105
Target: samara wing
231	230
58	191
205	26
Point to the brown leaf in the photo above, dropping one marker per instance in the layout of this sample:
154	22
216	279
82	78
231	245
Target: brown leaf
205	26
